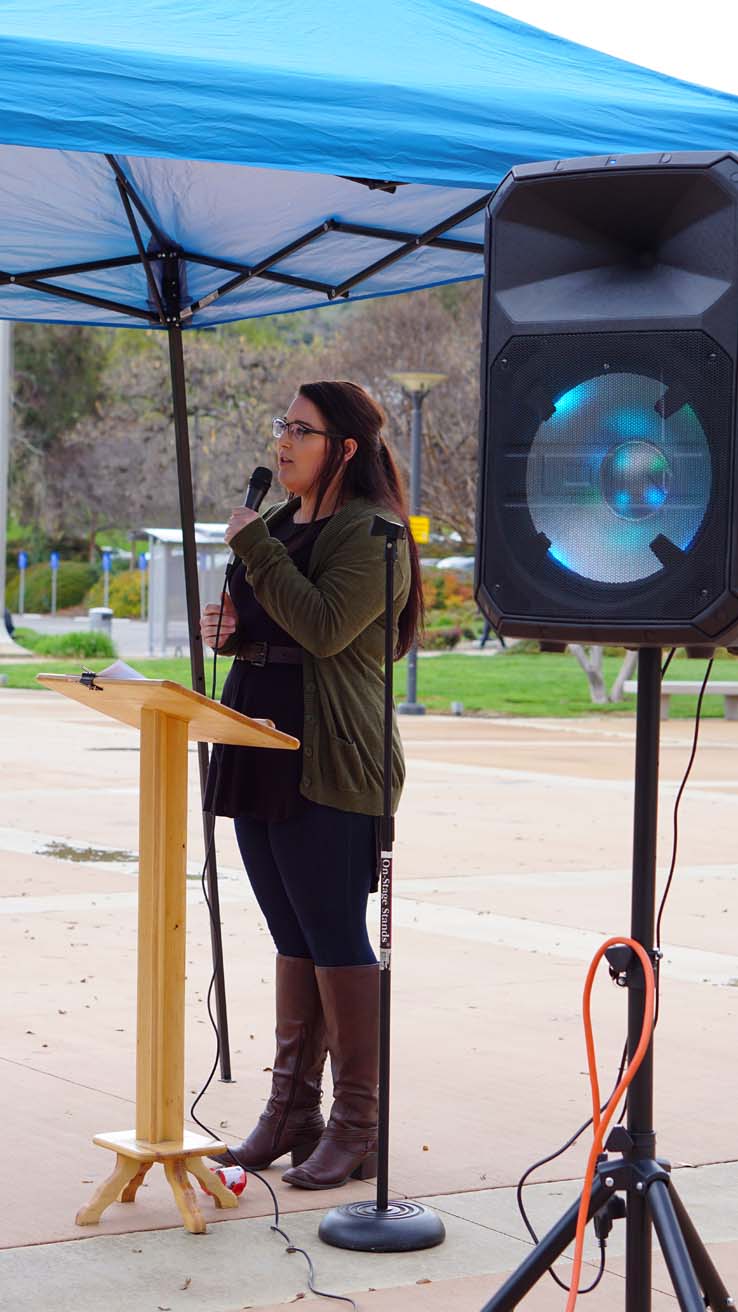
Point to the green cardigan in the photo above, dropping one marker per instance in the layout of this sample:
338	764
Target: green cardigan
336	614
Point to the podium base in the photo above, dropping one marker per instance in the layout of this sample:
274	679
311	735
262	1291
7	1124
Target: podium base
401	1227
134	1159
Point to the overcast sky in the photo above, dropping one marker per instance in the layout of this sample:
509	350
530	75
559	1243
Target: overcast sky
700	44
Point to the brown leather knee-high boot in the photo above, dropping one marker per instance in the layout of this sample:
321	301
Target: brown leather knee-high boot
292	1120
348	1146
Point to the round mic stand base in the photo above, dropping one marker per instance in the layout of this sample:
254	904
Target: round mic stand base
400	1227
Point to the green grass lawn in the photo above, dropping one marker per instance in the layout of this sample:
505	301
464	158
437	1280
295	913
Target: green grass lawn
516	683
550	684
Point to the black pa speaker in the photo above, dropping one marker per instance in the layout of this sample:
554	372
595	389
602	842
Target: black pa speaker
607	495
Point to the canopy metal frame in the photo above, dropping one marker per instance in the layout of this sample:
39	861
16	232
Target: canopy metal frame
163	260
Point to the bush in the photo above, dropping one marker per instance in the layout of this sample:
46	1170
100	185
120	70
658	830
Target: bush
440	639
124	595
439	619
11	588
73	579
434	590
445	590
28	638
81	646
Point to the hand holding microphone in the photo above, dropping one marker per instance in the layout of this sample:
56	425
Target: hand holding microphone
219	622
240	517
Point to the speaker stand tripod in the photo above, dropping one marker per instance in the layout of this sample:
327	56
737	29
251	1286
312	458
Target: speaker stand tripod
650	1196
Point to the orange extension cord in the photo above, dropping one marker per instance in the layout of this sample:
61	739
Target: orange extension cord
601	1122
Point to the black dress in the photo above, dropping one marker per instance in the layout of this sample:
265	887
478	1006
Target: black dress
260	782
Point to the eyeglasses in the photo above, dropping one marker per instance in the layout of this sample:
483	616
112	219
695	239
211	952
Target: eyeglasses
296	430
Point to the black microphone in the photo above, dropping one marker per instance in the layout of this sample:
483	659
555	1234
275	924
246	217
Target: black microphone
258	486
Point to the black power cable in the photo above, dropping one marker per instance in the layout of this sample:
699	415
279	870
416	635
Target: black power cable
675	828
543	1161
668	661
672	867
675	843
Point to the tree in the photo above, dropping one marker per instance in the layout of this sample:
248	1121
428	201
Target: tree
590	659
117	466
431	331
94	427
58	379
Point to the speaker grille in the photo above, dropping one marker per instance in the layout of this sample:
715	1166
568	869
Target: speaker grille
612	469
610	475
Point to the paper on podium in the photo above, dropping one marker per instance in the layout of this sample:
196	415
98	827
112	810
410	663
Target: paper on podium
119	670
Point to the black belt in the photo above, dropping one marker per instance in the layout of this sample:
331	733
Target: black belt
263	653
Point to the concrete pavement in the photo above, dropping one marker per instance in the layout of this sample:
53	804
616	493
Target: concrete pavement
511	866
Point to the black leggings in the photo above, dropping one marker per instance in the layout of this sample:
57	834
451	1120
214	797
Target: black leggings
312	875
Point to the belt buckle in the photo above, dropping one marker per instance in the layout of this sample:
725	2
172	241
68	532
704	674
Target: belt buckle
261	658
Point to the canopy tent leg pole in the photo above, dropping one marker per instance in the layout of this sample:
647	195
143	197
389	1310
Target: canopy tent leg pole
197	666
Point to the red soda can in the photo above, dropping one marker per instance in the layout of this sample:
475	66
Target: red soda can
233	1177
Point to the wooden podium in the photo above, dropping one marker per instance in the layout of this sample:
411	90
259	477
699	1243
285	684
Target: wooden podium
168	716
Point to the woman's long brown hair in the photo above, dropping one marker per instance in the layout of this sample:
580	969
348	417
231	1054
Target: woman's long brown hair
371	473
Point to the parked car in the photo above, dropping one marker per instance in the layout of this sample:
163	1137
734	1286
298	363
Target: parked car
462	564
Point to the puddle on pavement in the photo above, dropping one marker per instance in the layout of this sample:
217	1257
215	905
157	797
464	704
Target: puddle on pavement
66	852
88	855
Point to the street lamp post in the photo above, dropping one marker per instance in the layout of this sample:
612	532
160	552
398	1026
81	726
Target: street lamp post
9	649
417	386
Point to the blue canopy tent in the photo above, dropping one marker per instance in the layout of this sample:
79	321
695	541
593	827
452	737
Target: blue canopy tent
173	166
144	115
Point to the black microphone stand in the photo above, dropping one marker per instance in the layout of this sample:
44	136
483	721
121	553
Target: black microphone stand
636	1172
383	1226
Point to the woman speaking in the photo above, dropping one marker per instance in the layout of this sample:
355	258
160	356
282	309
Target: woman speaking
305	623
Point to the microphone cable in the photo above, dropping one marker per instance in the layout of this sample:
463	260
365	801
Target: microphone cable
290	1247
257	488
226	580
